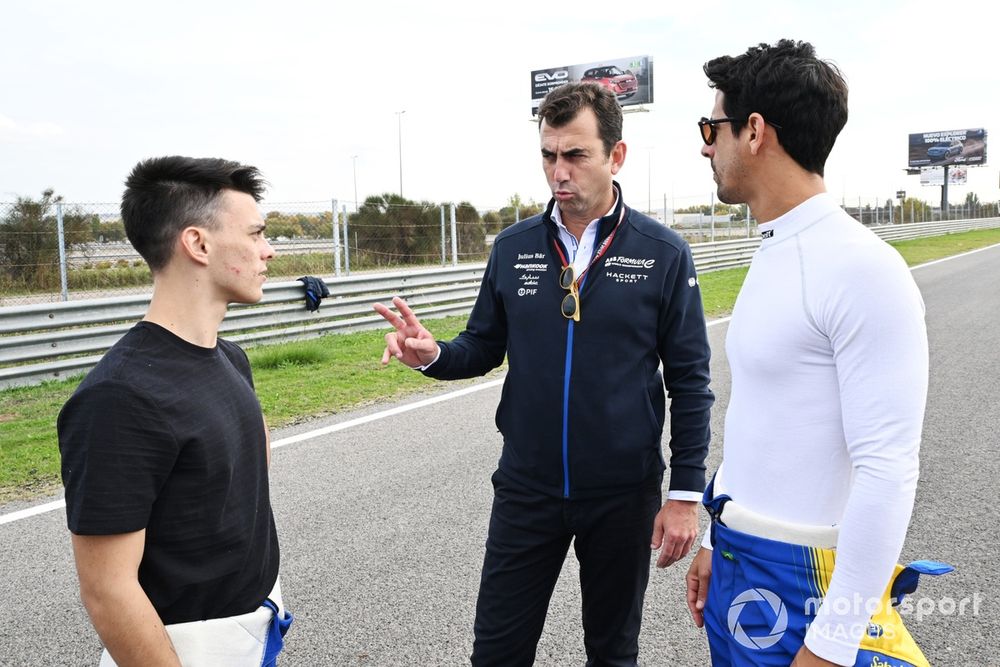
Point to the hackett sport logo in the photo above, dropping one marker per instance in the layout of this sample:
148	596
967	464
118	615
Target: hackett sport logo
629	262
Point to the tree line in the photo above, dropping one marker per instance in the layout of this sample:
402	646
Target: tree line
385	230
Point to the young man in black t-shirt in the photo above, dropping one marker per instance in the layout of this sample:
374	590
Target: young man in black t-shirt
164	447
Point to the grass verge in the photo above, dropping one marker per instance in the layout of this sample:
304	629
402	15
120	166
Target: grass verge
301	380
918	251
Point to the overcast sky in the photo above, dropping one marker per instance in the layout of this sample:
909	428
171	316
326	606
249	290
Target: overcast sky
299	88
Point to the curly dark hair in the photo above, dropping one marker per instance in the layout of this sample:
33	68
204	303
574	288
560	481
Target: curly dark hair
790	87
562	105
166	194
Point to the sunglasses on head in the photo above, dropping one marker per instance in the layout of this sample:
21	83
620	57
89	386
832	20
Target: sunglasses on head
708	132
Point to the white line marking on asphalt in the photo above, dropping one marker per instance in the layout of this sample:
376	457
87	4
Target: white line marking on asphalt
308	435
946	259
326	430
31	511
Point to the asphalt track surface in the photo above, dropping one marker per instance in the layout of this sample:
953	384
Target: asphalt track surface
382	523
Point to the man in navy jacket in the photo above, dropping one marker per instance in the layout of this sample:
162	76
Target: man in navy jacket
587	301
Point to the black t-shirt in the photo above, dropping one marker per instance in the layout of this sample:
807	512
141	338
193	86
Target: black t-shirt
168	436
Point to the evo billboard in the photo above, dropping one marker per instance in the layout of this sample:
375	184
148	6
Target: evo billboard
937	149
630	79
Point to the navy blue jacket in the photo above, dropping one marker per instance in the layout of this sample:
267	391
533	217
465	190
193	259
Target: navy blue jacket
582	409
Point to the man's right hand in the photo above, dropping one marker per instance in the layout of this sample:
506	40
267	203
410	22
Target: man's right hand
411	343
698	577
125	620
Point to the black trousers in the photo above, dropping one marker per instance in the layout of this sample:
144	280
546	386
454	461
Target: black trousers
529	536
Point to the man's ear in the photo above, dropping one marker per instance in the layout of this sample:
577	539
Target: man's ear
193	243
618	156
757	134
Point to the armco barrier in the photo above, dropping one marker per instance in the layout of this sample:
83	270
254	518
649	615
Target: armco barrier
47	341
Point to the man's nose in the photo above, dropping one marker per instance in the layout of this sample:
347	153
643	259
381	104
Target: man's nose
560	173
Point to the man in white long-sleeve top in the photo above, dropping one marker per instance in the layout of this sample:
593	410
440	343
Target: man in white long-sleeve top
828	351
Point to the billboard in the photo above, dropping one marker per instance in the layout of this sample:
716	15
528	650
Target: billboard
630	79
935	175
935	149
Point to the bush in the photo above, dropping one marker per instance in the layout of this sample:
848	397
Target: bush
29	241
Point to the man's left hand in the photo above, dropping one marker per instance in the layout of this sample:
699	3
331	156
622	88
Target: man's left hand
675	528
806	658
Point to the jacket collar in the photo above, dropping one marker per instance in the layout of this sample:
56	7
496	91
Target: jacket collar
607	223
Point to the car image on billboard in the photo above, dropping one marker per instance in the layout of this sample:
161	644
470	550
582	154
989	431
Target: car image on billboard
944	150
622	84
953	147
629	79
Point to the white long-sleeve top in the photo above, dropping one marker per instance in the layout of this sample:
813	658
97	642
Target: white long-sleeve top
828	351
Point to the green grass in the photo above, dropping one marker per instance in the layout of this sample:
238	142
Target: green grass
295	381
29	456
719	290
305	379
345	371
918	251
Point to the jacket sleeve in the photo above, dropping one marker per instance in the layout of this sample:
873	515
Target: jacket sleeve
685	353
483	345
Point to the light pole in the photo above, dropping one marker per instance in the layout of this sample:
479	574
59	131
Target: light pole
649	181
399	128
354	164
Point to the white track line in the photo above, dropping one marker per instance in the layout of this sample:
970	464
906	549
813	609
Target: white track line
326	430
11	517
375	416
946	259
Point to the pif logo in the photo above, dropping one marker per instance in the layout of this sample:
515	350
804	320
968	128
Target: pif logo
764	604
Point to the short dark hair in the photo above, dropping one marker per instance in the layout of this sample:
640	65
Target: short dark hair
789	86
164	195
562	104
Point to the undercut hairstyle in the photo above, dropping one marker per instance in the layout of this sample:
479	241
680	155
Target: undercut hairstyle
789	86
166	194
562	104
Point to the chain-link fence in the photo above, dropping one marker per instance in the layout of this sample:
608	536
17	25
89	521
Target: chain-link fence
52	250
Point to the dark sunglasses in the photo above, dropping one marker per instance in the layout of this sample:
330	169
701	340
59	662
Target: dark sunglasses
570	306
708	132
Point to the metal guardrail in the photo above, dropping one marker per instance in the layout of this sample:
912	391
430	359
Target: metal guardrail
730	254
54	340
50	341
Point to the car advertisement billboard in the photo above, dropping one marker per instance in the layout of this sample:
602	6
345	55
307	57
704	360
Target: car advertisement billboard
936	149
630	79
935	175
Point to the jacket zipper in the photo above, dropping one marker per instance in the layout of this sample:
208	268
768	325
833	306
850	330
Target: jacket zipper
565	429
